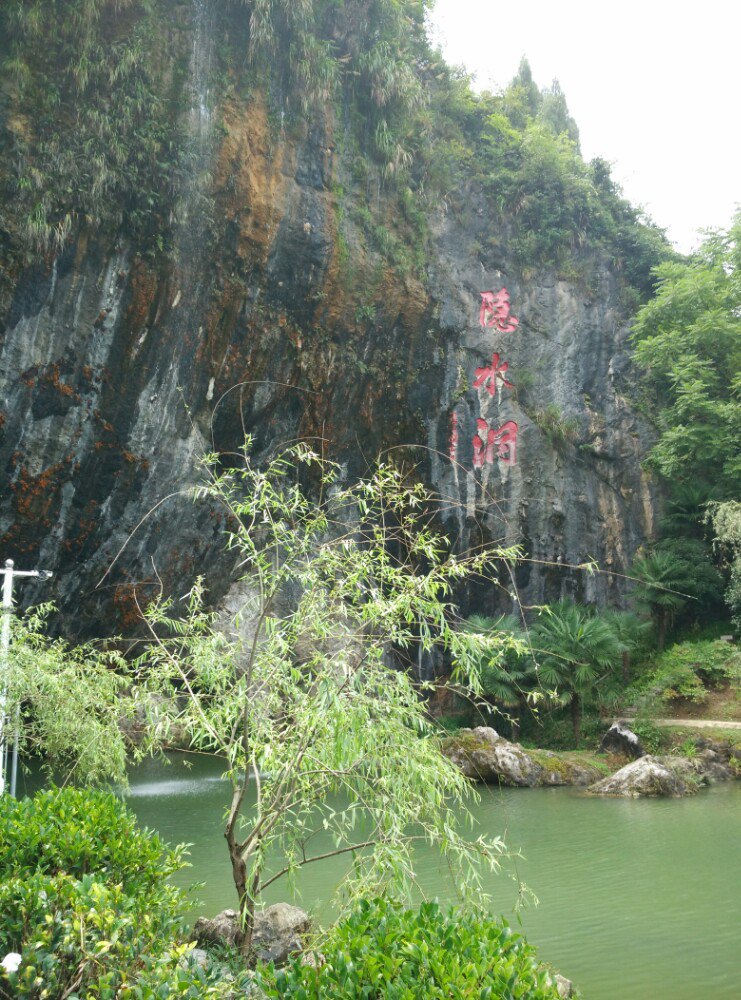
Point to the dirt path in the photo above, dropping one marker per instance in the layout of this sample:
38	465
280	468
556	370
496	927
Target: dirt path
694	723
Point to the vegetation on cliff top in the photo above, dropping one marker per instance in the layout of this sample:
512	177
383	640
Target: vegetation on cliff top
91	125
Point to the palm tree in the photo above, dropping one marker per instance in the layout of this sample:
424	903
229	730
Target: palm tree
631	632
579	654
507	673
684	514
661	589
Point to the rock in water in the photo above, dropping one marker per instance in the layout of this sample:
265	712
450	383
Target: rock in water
707	767
619	738
564	986
484	755
643	777
559	770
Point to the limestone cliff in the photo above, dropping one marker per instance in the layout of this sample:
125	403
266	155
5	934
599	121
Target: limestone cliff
272	312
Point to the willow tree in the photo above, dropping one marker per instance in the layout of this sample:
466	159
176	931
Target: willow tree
296	693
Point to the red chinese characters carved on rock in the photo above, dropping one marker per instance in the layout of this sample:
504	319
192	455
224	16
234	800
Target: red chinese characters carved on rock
492	377
495	311
489	444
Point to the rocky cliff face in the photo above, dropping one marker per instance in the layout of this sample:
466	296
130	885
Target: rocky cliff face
273	315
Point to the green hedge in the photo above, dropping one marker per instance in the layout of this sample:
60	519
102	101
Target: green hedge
81	832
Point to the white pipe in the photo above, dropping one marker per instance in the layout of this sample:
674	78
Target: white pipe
5	645
8	758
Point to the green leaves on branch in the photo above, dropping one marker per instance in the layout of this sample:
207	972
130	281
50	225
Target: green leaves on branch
578	654
86	902
72	698
688	341
726	521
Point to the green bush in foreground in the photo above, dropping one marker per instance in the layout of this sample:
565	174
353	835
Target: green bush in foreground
385	951
78	833
86	904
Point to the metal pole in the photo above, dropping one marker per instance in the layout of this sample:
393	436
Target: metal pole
7	608
10	572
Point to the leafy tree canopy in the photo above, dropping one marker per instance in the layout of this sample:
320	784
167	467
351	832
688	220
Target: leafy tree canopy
688	341
295	692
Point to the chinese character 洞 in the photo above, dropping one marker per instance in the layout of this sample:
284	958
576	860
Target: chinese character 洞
492	377
495	311
488	442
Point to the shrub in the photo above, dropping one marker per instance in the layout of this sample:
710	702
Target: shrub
85	901
383	950
553	730
688	670
75	832
650	735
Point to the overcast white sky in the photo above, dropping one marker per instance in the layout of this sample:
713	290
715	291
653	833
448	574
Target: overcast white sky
654	87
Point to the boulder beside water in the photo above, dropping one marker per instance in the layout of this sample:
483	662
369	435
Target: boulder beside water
482	754
280	931
621	739
648	775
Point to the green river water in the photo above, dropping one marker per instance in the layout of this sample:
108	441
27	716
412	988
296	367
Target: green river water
639	899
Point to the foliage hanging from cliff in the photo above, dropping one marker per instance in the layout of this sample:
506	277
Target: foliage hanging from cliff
548	206
371	49
88	128
423	123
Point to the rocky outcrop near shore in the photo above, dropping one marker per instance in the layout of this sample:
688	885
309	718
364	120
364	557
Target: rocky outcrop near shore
667	776
647	776
482	754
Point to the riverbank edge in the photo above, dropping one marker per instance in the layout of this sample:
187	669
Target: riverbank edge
484	756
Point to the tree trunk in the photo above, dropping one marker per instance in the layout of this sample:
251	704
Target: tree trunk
576	717
626	666
662	630
247	912
239	868
247	894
